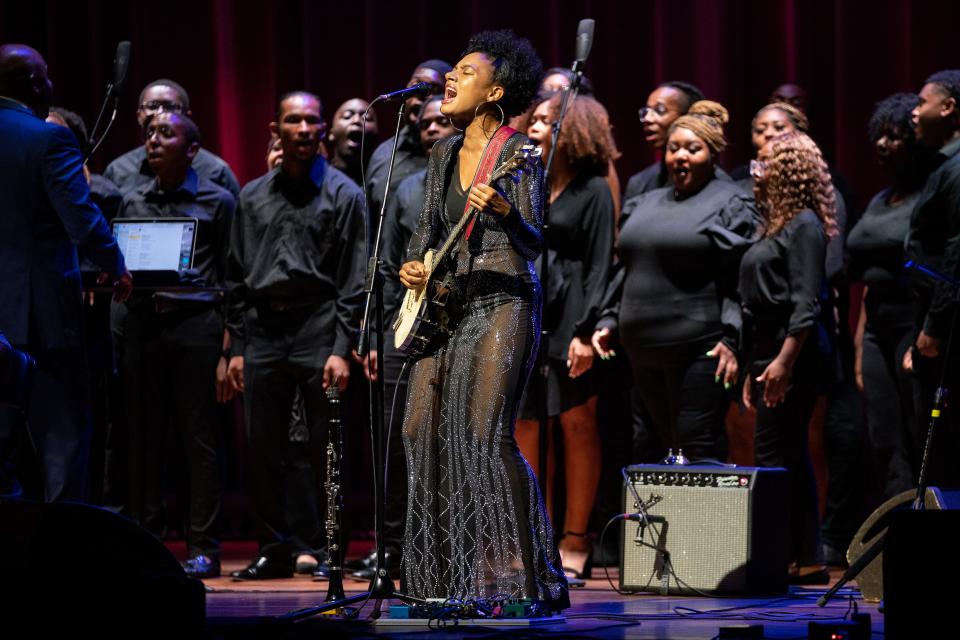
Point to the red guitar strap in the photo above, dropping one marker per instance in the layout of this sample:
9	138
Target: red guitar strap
487	164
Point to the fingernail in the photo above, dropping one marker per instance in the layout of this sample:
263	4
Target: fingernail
727	386
716	379
710	354
568	363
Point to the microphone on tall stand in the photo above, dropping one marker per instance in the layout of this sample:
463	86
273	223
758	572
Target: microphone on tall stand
419	90
121	65
584	43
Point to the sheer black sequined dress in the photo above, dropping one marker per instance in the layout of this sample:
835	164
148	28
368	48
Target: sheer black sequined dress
476	523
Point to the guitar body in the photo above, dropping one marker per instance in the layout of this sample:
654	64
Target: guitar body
420	319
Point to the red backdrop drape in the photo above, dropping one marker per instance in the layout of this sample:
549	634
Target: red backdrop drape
235	58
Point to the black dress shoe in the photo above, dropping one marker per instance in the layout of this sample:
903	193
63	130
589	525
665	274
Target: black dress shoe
391	562
264	568
202	567
322	572
365	562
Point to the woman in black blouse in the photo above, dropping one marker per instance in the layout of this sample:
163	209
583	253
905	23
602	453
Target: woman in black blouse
780	281
580	241
678	316
884	332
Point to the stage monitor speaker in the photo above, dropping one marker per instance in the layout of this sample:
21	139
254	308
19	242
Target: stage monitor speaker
76	566
920	563
870	579
724	528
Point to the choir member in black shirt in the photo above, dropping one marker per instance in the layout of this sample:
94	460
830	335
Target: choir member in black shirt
172	343
410	157
934	240
780	281
351	122
295	274
679	316
132	170
580	241
875	251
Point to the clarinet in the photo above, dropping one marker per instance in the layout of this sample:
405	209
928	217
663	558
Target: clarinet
334	496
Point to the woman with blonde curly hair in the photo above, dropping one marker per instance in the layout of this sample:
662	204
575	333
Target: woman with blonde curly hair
580	241
678	317
780	281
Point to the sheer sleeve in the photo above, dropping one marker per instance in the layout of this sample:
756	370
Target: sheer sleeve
524	224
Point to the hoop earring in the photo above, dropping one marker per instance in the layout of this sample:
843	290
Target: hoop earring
503	116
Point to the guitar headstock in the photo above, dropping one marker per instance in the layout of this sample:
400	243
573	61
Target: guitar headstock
518	162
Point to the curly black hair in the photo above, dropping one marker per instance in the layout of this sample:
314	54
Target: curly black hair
949	81
518	68
893	114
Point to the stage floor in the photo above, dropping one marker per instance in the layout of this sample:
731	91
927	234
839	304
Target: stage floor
251	610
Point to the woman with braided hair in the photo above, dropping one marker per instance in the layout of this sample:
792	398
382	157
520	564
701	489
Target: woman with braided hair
780	281
678	317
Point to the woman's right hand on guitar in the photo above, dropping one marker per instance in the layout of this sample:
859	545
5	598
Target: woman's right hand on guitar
413	274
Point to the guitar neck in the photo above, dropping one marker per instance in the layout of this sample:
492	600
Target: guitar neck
442	252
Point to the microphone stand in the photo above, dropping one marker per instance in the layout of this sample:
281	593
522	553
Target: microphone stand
941	394
543	411
94	144
381	585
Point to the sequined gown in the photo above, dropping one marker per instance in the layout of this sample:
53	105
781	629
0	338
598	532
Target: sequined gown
476	522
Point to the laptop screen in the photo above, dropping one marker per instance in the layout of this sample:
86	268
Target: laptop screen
156	244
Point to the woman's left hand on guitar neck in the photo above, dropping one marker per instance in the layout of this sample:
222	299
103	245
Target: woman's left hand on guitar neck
485	198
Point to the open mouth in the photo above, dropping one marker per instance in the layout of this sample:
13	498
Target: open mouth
449	93
354	136
681	172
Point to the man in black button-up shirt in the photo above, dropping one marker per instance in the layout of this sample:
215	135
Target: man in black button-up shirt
295	273
173	345
934	240
133	170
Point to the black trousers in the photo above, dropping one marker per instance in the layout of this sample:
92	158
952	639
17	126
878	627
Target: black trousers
685	405
168	367
285	351
49	443
781	441
891	421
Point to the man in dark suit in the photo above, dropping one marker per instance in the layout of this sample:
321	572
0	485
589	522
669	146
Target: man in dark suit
45	213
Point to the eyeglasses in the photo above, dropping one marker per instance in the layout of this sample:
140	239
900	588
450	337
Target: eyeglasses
161	105
440	121
658	110
758	168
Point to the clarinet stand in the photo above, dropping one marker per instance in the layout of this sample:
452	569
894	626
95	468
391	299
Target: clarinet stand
939	398
381	585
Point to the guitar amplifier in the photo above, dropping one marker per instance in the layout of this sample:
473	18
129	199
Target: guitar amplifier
724	530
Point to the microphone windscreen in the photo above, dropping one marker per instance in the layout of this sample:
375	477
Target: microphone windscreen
584	39
121	64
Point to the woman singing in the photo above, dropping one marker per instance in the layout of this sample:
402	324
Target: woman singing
780	281
476	524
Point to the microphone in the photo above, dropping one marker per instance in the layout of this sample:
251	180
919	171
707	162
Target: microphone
419	90
121	64
584	43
